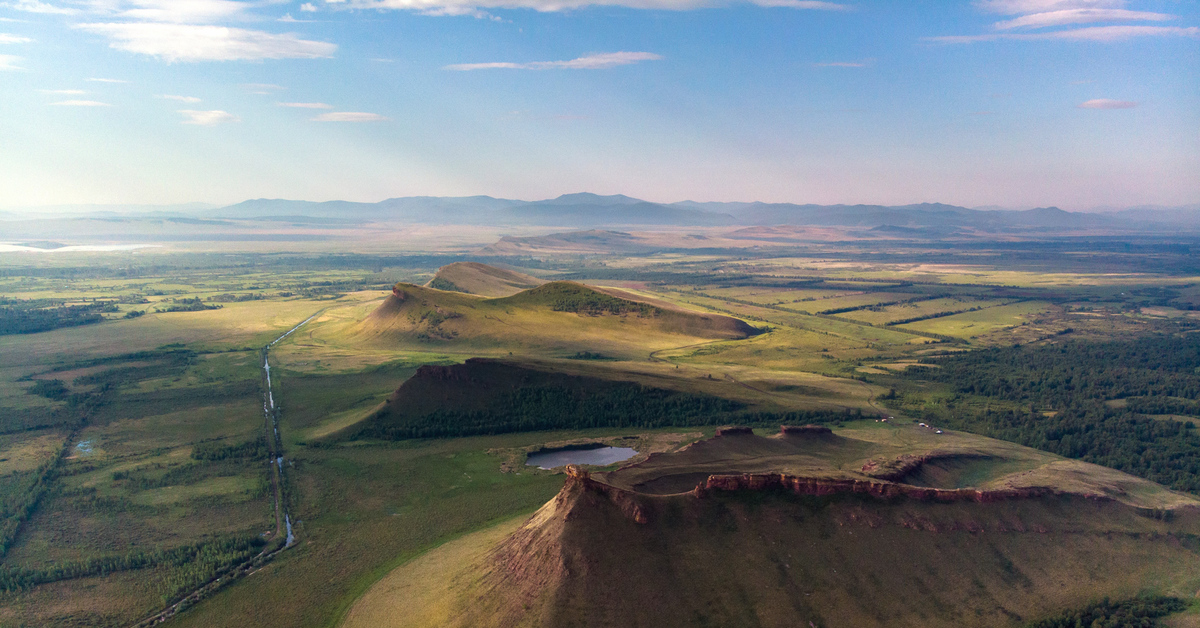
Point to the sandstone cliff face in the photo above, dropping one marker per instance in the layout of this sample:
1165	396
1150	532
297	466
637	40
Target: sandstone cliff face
626	501
883	490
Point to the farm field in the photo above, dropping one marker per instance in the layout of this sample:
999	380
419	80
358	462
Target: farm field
921	309
983	321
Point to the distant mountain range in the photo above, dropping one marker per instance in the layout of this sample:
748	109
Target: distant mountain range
586	210
591	211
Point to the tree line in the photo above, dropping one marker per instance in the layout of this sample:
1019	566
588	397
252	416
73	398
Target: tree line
1058	398
30	317
540	408
1135	613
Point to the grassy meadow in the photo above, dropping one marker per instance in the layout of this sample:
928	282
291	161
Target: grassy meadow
135	440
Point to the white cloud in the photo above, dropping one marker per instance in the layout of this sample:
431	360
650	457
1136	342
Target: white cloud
190	42
175	11
80	103
475	7
590	62
308	7
187	99
1105	103
64	92
802	4
207	118
1080	16
349	116
287	17
305	105
1038	14
1093	33
1021	7
107	80
33	6
1119	33
6	38
9	63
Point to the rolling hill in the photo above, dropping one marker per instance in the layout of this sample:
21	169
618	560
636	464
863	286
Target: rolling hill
556	318
871	526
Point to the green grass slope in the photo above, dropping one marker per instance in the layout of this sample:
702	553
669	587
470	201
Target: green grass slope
482	279
555	318
1038	539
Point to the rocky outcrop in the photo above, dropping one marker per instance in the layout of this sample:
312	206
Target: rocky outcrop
627	501
883	490
735	431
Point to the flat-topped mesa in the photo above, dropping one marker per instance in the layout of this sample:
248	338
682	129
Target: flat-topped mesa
735	431
883	490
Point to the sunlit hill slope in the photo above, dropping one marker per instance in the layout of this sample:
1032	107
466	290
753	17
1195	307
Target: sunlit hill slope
482	279
557	317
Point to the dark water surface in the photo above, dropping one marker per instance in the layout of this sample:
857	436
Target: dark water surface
598	456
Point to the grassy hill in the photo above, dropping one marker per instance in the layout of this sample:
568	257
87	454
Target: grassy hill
481	279
877	526
486	396
560	318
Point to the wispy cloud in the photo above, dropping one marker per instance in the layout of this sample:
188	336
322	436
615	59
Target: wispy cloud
477	7
108	80
599	61
175	11
207	118
1105	103
262	88
1018	7
802	4
9	63
33	6
349	116
6	38
192	42
305	105
187	99
1045	14
63	92
1080	16
1093	33
79	103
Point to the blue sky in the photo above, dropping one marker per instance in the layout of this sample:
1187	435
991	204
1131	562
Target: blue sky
1075	103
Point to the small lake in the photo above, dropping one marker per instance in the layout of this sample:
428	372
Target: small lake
598	456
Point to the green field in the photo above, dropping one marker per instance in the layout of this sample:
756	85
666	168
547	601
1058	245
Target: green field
104	427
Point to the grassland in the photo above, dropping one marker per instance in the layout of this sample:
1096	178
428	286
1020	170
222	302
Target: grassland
128	477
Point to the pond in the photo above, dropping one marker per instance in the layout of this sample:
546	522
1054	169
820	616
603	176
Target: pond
598	455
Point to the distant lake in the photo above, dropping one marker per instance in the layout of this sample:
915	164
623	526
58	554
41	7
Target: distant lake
598	456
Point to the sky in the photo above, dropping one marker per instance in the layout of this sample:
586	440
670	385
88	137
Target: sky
1017	103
